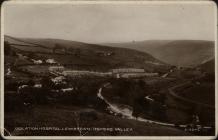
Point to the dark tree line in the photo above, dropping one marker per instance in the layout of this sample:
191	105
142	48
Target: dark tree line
57	48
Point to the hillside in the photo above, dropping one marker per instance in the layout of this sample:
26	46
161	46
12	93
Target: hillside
87	56
179	52
208	66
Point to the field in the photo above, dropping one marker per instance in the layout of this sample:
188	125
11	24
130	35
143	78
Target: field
58	116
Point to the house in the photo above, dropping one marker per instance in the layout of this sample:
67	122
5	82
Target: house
58	80
37	61
51	61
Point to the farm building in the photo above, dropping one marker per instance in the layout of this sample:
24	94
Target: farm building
131	73
127	70
103	53
56	68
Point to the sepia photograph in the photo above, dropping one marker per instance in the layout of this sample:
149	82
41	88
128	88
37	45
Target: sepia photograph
108	69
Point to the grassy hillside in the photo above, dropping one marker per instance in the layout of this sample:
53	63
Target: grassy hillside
208	66
91	56
178	52
203	89
59	116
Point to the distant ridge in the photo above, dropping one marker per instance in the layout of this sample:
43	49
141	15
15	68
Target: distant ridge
185	53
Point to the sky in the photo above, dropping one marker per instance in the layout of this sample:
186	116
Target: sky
107	23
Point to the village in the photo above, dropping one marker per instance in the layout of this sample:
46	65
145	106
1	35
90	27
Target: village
55	68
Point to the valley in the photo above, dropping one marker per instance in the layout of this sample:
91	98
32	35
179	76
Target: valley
97	87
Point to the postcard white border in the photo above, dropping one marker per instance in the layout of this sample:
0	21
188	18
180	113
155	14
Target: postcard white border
118	2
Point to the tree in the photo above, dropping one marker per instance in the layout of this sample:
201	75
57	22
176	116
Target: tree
47	83
77	52
31	83
58	47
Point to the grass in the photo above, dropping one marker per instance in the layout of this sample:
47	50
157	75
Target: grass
36	68
204	93
67	116
190	52
32	49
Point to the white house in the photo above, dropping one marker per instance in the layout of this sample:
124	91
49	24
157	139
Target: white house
51	61
37	61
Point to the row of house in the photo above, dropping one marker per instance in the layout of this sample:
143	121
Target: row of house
118	73
127	70
48	61
85	73
114	71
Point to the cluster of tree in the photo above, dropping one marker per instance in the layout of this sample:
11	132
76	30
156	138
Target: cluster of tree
76	52
133	93
84	93
209	77
60	48
23	98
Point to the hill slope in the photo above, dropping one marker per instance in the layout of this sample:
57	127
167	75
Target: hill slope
89	56
208	66
178	52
